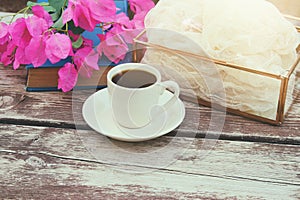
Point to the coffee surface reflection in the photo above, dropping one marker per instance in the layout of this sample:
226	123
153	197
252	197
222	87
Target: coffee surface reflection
134	78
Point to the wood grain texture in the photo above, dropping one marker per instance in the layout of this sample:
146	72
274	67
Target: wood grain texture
52	163
57	109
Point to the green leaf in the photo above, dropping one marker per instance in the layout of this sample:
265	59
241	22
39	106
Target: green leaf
55	16
74	29
77	43
49	9
57	4
30	3
59	23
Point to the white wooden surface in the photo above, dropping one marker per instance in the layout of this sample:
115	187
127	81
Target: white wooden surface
40	163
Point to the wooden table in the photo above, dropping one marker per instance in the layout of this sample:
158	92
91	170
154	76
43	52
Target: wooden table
48	152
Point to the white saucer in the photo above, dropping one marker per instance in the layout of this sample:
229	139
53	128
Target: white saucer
98	115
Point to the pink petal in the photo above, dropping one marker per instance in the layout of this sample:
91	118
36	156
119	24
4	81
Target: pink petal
8	57
123	19
20	58
40	12
113	40
3	48
80	55
83	19
53	59
129	35
86	57
92	60
3	32
68	13
68	76
16	64
86	60
19	33
86	72
138	19
122	23
102	37
141	5
58	46
35	51
87	42
101	10
36	26
115	52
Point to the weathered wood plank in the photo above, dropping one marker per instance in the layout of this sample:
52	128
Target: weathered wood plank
56	109
47	163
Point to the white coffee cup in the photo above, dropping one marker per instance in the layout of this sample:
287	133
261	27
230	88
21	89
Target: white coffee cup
132	106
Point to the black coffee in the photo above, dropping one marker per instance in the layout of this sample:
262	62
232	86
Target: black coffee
134	78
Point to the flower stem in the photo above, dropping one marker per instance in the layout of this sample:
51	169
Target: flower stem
24	10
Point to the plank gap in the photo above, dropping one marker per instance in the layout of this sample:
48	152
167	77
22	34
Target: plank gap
172	171
28	122
239	138
182	132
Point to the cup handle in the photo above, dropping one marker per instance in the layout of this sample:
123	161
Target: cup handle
174	87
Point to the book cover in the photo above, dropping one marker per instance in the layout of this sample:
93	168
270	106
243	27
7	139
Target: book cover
45	78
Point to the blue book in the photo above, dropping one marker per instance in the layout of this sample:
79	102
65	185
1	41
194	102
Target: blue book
44	78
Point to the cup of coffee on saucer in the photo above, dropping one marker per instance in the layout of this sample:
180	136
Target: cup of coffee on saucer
136	105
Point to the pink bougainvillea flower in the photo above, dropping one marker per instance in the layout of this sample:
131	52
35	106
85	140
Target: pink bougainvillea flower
29	40
91	60
14	55
126	28
69	12
8	56
79	12
87	42
36	26
102	10
121	23
4	35
20	58
58	46
3	48
114	48
86	60
82	17
88	13
138	6
123	27
40	12
138	20
19	33
35	51
68	76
